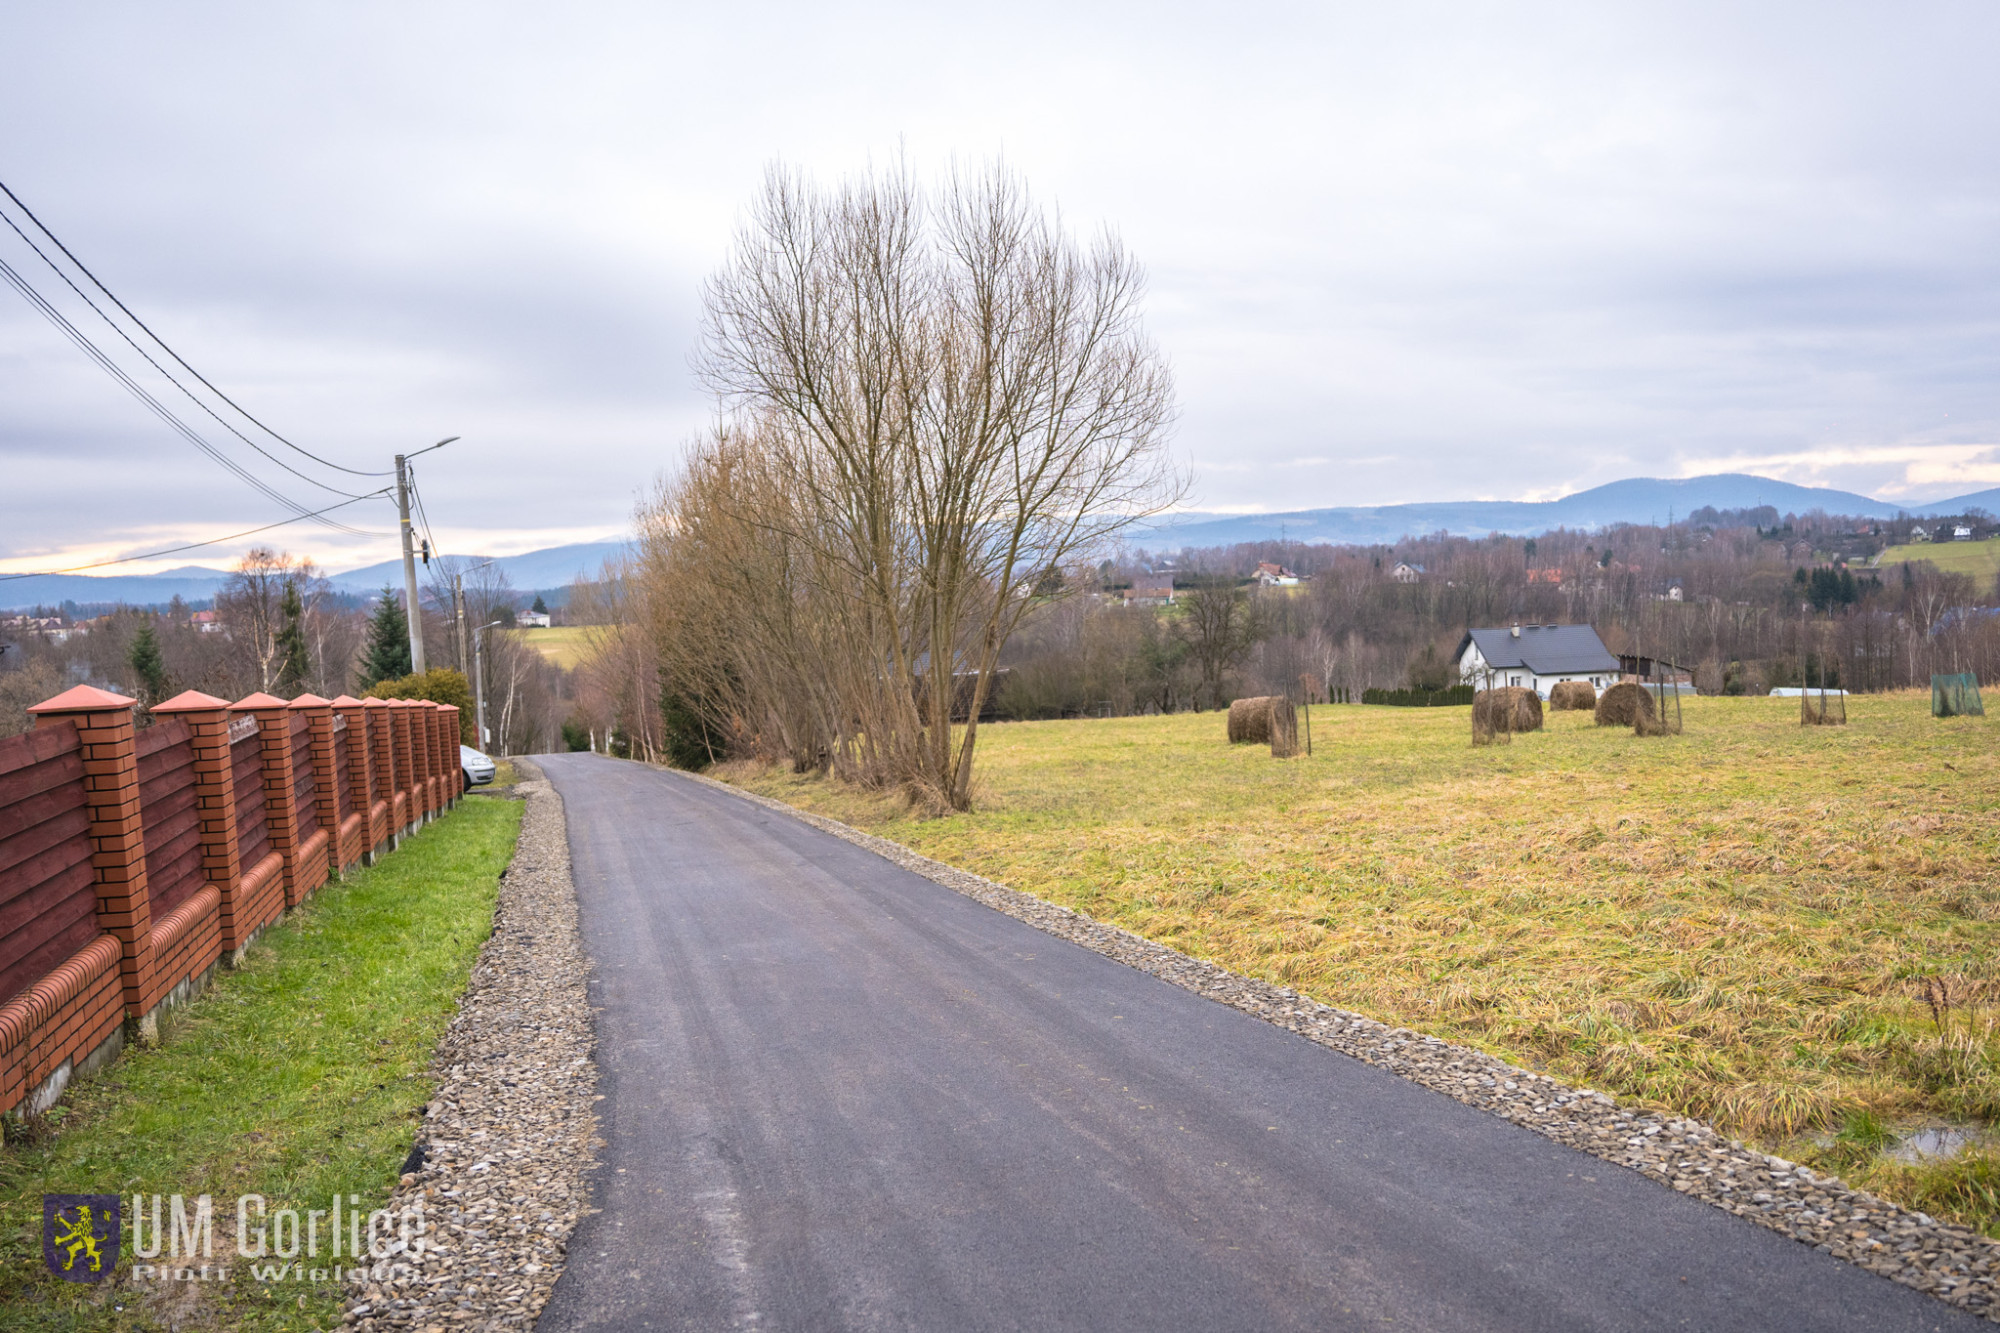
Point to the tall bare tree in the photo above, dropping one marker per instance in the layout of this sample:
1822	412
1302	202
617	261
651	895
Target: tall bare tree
938	395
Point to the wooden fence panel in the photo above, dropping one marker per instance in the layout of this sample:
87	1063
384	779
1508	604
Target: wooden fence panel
168	805
246	768
48	896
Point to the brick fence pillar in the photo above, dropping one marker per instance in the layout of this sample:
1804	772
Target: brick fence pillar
358	777
207	719
408	816
281	812
117	839
454	771
427	714
382	827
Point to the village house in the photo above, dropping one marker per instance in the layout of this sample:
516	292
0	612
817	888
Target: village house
205	622
1550	575
1274	576
1535	656
1407	573
1920	533
1151	589
1961	533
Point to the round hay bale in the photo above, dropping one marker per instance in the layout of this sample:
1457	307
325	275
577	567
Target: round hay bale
1284	723
1572	696
1250	720
1509	709
1623	704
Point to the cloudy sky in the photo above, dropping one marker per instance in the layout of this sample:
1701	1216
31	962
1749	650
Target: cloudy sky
1398	252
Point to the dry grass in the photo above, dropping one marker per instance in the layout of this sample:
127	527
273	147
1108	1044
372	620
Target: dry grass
1979	559
564	646
1738	922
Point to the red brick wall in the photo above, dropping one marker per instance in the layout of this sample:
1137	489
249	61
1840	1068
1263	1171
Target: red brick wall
131	861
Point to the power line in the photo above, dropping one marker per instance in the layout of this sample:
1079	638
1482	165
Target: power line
159	409
57	240
193	546
54	268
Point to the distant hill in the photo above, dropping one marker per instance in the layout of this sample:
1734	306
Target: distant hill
554	567
1637	500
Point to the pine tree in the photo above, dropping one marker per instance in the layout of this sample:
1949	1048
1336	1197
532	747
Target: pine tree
540	608
294	664
148	665
388	654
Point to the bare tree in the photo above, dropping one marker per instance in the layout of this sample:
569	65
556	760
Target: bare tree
940	395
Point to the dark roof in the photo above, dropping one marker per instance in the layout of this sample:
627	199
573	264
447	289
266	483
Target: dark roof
1546	650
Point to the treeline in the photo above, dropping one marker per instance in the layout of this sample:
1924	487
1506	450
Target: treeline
1743	609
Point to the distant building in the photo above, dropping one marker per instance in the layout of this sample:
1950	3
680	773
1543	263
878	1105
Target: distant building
532	620
1275	576
1535	656
1920	533
1151	589
205	622
1407	573
1961	533
1554	576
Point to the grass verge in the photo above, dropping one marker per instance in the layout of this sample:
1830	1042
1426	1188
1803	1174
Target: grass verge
300	1075
1740	923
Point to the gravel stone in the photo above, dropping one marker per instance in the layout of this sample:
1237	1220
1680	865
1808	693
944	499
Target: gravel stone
510	1134
1956	1265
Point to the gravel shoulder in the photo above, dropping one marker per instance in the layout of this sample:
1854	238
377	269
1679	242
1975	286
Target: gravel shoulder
1957	1266
510	1136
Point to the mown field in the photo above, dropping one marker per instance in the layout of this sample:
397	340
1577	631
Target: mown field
1979	559
562	645
1743	922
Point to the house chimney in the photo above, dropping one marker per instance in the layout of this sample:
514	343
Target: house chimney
1517	631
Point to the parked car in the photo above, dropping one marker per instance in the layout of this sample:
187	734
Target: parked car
478	769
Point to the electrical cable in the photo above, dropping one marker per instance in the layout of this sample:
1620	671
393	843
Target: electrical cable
159	409
57	240
192	546
162	369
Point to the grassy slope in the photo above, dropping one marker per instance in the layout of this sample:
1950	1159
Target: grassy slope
561	645
1979	559
1734	923
299	1075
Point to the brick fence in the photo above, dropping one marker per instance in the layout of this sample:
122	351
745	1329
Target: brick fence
133	862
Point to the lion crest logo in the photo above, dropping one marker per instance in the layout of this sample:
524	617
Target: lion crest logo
80	1235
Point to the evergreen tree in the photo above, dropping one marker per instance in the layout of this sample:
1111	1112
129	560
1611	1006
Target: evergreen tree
388	653
148	665
540	608
294	664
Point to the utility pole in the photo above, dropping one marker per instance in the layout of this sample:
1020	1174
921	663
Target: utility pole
479	683
416	613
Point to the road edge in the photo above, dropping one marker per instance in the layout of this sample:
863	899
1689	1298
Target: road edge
513	1117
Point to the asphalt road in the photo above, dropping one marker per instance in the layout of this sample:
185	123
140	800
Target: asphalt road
839	1096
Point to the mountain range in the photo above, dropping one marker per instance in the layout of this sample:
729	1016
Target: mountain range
1636	500
553	567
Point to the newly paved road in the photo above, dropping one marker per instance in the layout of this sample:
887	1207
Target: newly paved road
841	1096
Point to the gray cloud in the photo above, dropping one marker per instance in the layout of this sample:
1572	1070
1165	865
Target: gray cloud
1399	252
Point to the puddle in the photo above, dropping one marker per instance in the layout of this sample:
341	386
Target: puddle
1933	1142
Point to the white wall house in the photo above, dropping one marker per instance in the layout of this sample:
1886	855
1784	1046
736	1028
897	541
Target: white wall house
1535	656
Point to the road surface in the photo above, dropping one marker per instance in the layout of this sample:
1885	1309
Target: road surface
840	1096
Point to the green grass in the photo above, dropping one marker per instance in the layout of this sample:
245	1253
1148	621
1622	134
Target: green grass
299	1075
1979	559
1735	923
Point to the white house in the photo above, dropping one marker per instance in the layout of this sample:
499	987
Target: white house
1961	533
1404	572
1537	656
532	620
